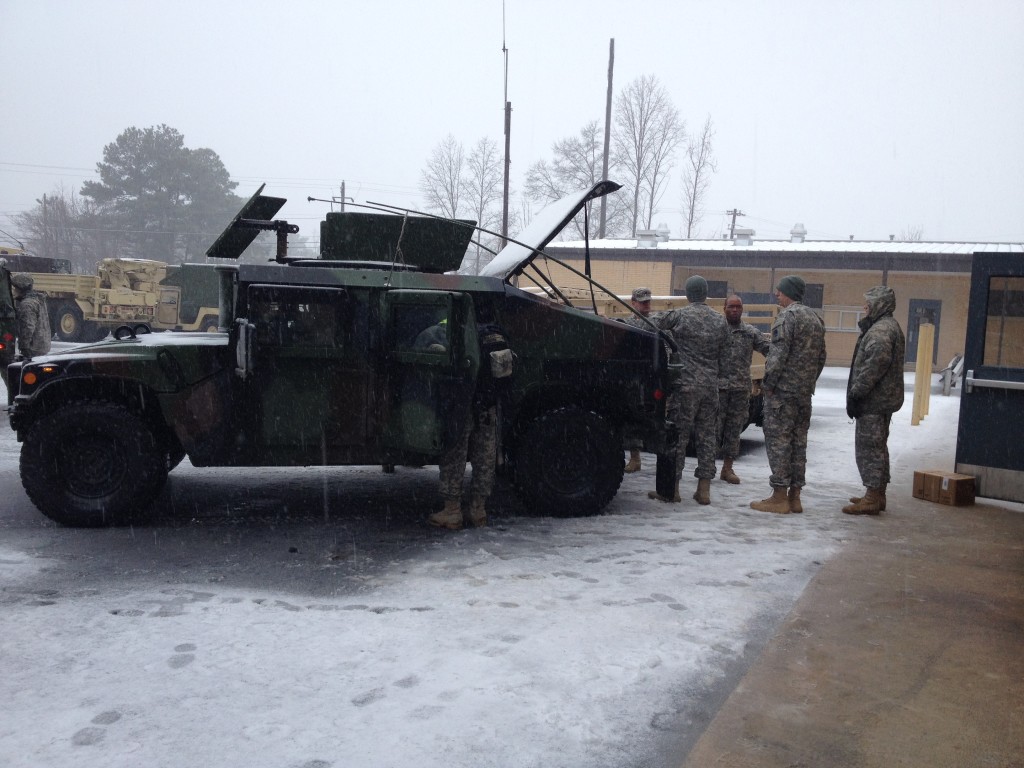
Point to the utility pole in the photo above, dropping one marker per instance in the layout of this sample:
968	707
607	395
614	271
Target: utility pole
341	199
732	227
607	135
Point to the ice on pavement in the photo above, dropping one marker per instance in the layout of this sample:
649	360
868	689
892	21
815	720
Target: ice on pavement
541	642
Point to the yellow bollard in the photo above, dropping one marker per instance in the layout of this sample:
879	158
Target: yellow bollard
923	373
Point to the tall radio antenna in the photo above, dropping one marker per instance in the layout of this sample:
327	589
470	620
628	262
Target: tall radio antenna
508	134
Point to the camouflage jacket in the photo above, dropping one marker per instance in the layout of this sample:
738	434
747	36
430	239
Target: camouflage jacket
797	352
702	335
876	373
735	370
33	324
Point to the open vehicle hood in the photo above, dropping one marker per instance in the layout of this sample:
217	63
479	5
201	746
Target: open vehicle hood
546	225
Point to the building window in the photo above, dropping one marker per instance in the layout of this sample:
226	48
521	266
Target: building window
842	319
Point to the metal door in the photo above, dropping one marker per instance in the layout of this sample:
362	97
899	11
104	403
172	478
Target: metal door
922	311
988	442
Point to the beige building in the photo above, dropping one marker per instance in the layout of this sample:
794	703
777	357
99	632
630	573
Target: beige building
931	279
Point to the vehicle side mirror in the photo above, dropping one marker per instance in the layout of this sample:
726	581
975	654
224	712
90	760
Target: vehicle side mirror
245	348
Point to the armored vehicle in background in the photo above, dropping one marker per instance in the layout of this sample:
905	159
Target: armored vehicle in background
316	365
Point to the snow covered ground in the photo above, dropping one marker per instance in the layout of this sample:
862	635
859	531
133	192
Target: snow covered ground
535	642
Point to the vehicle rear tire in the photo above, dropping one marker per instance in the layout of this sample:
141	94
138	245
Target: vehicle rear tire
210	324
94	331
93	464
568	462
68	323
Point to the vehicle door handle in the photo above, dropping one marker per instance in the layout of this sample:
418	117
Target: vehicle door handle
970	383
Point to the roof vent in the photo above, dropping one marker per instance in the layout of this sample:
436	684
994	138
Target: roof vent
649	238
743	236
797	233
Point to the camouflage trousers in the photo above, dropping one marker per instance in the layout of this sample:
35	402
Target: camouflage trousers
695	412
871	446
478	443
786	420
733	409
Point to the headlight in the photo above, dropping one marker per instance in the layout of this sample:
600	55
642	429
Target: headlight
33	376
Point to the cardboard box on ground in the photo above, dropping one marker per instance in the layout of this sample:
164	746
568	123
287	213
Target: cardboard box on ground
948	488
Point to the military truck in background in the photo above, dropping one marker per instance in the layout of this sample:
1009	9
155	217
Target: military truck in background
129	291
316	365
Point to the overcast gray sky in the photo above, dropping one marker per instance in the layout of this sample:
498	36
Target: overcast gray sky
862	117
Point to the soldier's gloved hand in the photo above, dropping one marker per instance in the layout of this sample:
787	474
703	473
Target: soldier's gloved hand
854	407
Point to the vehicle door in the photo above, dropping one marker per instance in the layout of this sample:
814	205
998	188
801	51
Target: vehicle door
311	381
992	400
8	322
432	361
167	307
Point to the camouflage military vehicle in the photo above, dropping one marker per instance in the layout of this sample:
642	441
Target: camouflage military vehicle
315	365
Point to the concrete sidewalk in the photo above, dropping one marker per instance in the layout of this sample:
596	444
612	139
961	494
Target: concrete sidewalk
907	649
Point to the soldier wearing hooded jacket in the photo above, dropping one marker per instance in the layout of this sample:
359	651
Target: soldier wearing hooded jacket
873	394
795	360
33	322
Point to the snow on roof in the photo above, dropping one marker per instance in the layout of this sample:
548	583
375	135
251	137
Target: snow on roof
808	246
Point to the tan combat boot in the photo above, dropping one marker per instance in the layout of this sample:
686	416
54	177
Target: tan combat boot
777	503
881	505
633	465
450	517
869	504
794	499
478	511
675	499
703	493
727	473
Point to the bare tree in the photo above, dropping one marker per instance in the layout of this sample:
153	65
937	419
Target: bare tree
442	182
697	176
63	225
912	234
648	131
576	164
483	180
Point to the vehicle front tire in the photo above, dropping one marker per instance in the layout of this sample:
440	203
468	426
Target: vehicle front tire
93	464
568	462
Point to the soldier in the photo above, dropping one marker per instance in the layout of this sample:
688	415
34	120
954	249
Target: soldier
874	393
477	441
641	302
795	360
734	383
33	321
701	334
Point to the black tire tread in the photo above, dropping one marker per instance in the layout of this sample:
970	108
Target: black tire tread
141	477
561	481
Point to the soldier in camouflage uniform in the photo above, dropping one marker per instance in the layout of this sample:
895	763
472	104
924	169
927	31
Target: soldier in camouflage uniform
33	322
874	393
734	383
701	334
477	441
795	360
641	302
